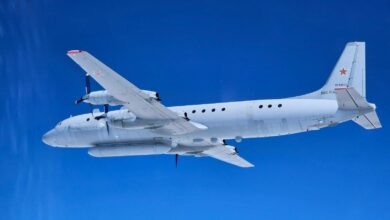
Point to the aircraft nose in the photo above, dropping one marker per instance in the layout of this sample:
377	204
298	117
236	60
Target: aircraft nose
49	138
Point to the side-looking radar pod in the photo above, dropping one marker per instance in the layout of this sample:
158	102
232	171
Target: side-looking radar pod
117	151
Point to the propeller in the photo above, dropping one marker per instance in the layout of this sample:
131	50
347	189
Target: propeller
84	97
105	113
176	159
87	89
87	92
87	83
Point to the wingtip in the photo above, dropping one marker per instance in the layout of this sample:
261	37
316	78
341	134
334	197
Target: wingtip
74	51
356	43
249	165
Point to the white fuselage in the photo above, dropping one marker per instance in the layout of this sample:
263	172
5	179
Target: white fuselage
230	120
144	126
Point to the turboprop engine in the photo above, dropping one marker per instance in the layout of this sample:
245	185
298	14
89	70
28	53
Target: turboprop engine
124	118
102	97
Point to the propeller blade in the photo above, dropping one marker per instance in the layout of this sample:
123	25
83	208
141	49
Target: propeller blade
87	84
176	159
105	113
82	99
100	117
108	128
78	101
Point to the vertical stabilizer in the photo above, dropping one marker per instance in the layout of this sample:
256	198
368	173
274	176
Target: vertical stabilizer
347	84
350	71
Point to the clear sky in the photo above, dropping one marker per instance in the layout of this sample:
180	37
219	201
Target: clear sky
191	52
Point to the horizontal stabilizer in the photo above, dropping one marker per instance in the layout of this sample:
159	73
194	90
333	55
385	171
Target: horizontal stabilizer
368	121
350	99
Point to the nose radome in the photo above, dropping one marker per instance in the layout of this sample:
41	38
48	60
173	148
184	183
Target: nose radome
49	138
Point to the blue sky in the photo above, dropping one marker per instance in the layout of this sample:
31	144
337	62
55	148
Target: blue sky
191	52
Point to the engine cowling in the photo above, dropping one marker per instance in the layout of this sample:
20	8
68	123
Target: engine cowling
121	115
121	118
124	118
152	94
102	97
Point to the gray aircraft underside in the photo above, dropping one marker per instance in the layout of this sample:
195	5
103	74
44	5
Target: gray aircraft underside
143	126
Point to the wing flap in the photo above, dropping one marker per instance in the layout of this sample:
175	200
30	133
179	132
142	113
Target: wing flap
227	154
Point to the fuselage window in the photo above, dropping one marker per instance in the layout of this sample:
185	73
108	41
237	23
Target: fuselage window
193	111
204	110
223	109
213	110
260	106
269	106
280	105
87	119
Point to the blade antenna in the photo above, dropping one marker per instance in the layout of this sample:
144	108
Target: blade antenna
176	159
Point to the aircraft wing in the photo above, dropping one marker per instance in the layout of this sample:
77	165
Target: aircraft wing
228	154
135	100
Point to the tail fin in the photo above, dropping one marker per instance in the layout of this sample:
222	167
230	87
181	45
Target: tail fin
350	71
347	84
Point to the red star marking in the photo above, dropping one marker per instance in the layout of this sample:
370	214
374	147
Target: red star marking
343	71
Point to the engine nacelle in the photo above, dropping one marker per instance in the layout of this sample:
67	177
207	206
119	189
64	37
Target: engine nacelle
122	119
102	97
125	119
152	94
117	151
121	115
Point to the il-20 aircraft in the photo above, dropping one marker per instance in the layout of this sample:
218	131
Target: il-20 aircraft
144	126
